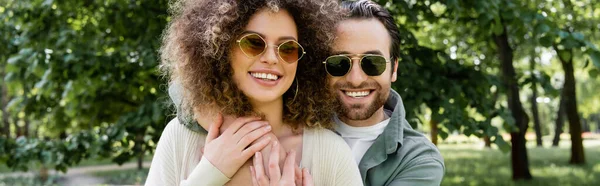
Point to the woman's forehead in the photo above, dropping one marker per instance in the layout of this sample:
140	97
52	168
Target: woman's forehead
272	25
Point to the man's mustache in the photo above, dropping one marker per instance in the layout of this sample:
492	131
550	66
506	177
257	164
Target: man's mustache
363	85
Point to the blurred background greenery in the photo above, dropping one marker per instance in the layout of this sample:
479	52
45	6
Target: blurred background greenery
507	89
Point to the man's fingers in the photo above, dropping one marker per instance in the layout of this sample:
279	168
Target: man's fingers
307	179
238	123
288	167
256	147
213	131
249	138
274	171
250	132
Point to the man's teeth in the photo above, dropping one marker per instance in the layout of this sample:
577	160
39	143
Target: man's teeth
357	94
266	76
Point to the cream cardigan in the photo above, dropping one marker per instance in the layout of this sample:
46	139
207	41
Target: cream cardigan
177	159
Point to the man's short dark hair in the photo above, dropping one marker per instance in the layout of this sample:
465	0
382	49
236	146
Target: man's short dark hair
366	9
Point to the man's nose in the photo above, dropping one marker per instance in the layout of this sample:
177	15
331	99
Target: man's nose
356	76
270	55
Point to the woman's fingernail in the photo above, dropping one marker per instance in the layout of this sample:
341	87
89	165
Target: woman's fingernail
268	128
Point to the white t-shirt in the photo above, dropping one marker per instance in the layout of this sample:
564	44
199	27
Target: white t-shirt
359	138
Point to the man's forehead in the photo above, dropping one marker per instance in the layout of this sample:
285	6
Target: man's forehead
361	36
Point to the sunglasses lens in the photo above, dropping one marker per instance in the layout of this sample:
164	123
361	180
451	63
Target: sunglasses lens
373	65
337	65
290	51
252	45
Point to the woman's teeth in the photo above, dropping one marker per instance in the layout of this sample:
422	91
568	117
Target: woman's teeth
264	76
357	94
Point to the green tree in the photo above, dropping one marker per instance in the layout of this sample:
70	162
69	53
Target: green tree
84	68
456	93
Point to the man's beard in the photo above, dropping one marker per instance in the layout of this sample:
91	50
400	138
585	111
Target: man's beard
360	111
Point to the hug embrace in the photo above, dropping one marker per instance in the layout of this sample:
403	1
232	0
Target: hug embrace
287	92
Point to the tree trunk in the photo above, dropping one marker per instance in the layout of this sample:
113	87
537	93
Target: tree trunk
44	174
139	141
520	162
585	124
434	131
487	141
3	102
19	130
559	121
26	127
534	106
569	94
597	119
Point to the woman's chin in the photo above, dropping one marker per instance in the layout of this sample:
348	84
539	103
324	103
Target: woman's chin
264	97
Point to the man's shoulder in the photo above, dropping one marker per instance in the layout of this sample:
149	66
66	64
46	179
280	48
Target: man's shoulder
419	147
177	133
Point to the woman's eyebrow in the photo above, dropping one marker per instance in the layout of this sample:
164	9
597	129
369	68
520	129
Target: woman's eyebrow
263	36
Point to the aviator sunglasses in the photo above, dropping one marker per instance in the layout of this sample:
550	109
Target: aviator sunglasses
253	45
340	65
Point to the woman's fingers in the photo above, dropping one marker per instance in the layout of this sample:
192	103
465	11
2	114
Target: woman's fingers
256	147
274	171
253	175
213	131
259	170
298	175
307	179
288	167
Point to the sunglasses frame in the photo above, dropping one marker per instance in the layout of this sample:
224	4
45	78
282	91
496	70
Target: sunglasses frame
267	46
360	57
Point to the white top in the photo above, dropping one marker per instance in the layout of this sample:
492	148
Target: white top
178	160
359	138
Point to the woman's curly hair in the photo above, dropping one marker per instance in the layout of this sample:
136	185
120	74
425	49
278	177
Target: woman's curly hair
197	42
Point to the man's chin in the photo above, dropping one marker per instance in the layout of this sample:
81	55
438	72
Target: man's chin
356	114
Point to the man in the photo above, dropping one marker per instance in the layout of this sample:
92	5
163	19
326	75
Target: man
372	117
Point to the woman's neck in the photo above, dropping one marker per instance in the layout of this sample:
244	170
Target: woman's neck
273	112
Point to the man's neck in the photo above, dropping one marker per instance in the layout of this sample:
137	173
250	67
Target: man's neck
377	117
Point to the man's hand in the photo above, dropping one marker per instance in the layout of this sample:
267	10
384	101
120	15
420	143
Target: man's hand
231	149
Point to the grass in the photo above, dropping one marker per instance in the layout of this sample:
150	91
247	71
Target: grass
471	164
83	163
467	163
124	177
25	181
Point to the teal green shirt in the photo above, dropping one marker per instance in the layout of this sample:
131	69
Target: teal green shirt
401	155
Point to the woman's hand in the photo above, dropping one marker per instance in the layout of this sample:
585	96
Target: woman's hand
291	175
231	149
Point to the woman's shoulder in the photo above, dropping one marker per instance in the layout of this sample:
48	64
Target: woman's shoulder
325	138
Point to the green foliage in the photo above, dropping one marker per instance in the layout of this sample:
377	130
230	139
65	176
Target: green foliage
85	73
460	96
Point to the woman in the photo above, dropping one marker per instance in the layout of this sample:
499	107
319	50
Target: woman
246	58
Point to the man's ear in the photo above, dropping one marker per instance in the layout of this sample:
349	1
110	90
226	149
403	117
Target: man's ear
395	70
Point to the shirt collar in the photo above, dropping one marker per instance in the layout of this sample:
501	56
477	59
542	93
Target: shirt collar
394	133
